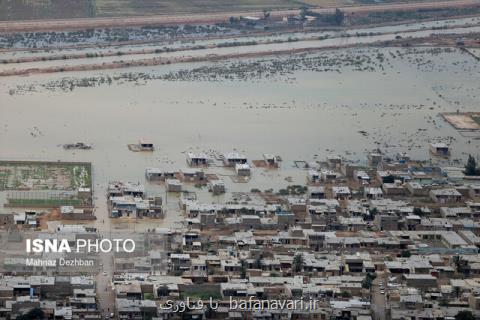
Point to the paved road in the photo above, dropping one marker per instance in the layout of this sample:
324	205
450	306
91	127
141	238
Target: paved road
105	294
121	229
378	299
70	24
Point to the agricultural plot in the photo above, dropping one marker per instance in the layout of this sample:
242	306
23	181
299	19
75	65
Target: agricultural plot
32	184
64	9
142	7
463	121
31	176
46	9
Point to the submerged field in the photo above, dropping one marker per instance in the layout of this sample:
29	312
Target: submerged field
386	98
302	107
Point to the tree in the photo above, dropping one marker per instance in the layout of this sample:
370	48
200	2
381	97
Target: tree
461	265
372	213
465	315
443	302
91	8
389	179
471	167
148	296
33	314
368	281
406	254
303	12
457	291
418	212
258	261
266	14
243	269
339	17
297	264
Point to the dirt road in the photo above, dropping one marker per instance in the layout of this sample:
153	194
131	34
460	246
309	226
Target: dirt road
72	24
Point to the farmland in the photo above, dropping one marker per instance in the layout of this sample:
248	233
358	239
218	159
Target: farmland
130	7
68	9
17	175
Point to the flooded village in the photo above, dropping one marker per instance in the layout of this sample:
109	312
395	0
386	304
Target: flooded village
307	163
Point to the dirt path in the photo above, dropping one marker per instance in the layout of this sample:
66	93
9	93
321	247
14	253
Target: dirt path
72	24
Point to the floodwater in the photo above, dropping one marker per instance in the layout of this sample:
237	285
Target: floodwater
303	40
300	115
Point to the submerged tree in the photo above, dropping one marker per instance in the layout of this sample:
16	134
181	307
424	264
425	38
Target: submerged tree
339	17
303	12
266	14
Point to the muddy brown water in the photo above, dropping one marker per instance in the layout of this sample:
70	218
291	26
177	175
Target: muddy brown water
306	115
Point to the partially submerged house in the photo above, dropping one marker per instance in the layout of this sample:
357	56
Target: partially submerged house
242	170
270	160
316	193
119	188
439	149
142	145
197	159
145	145
232	158
328	175
72	213
191	175
153	174
26	219
126	199
313	176
362	177
173	185
334	161
216	186
129	206
374	159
